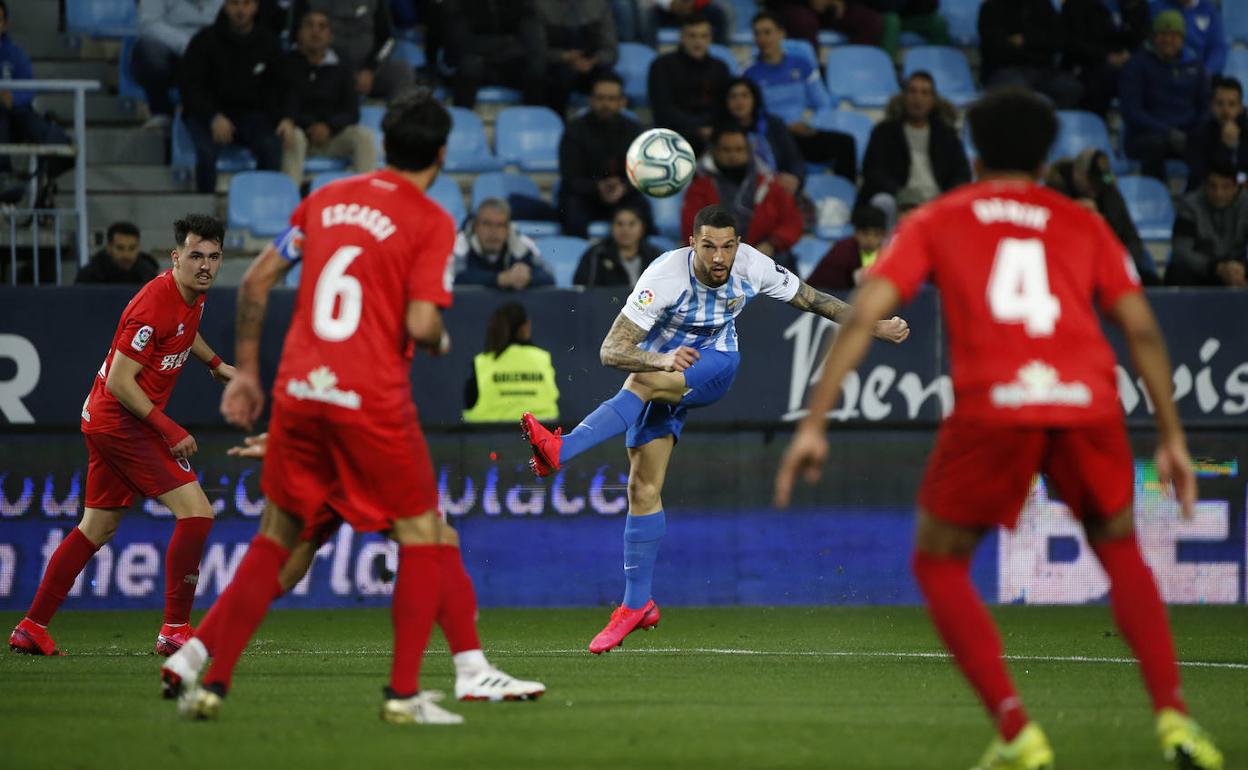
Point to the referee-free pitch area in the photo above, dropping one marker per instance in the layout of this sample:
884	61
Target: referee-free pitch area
749	687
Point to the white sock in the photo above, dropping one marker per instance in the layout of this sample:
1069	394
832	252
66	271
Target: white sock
469	662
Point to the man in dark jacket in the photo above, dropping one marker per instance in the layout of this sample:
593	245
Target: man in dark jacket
1162	98
686	85
1019	42
120	261
322	102
1211	234
491	252
1223	137
363	40
580	44
912	157
1098	43
231	91
499	42
591	160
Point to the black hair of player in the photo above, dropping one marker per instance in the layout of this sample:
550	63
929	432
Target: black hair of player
1012	129
208	228
724	129
767	15
1229	83
606	76
415	128
715	216
120	228
503	328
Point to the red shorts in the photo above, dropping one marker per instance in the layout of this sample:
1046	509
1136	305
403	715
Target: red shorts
137	463
979	474
368	471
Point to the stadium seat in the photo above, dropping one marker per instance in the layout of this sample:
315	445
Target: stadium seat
325	177
232	159
962	16
260	202
829	38
599	228
666	36
562	253
505	185
910	40
949	69
856	124
862	74
529	137
666	213
1237	65
101	18
1235	22
743	10
1078	130
808	251
725	54
314	165
819	187
408	51
1150	207
498	95
447	194
634	67
467	149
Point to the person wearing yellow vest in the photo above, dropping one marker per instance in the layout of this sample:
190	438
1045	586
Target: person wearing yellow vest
511	376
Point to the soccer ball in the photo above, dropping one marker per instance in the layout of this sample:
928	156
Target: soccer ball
660	163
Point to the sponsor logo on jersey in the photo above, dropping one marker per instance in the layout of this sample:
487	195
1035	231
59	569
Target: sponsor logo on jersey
1038	385
320	386
643	298
174	360
141	337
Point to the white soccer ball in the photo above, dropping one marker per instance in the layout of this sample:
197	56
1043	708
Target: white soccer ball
660	163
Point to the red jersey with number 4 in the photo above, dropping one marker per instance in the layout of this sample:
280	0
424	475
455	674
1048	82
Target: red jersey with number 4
1021	270
369	245
157	329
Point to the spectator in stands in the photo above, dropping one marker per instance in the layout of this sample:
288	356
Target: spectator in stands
766	213
1162	98
1098	44
120	261
794	92
1089	180
914	154
919	17
1205	39
322	104
619	259
580	44
512	375
591	159
1223	137
495	42
363	40
1019	43
629	25
232	91
1211	234
770	139
844	264
677	13
491	252
685	85
165	30
802	20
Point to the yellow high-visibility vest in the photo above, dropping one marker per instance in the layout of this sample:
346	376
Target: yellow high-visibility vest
519	380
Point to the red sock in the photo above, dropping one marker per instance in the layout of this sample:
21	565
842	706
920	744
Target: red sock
413	609
182	567
1141	616
970	635
457	612
69	559
237	613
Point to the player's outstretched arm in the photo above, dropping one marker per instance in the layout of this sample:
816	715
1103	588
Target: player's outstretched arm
122	382
243	400
619	350
814	301
1152	362
809	447
221	371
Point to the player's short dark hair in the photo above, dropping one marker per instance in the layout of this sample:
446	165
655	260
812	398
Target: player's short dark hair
1224	169
723	129
606	76
697	17
1229	83
415	128
922	75
868	217
1012	129
208	228
119	228
767	15
715	216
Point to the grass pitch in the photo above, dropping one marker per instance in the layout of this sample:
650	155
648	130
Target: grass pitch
853	688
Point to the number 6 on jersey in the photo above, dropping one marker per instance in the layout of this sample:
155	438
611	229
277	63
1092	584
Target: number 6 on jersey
1018	288
335	285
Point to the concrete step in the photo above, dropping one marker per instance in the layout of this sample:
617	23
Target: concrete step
109	178
126	146
101	108
152	213
43	44
77	69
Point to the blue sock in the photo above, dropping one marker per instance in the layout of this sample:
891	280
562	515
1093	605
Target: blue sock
611	418
642	535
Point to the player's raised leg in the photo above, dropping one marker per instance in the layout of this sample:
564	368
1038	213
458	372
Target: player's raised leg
97	527
643	532
194	516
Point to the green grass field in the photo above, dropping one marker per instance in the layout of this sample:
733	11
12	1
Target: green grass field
852	688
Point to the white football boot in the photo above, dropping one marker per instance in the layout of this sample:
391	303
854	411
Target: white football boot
420	709
493	684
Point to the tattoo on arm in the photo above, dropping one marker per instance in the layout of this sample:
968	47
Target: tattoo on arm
620	350
250	317
815	301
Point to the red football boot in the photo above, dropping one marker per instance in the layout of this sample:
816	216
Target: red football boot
30	638
545	445
171	638
623	622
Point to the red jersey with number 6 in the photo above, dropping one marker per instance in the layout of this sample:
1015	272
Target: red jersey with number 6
1021	270
369	245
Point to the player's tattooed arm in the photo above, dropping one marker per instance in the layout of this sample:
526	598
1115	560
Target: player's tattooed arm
619	349
253	299
814	301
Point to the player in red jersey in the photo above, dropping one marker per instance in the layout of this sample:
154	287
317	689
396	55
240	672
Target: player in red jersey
343	432
133	448
1021	271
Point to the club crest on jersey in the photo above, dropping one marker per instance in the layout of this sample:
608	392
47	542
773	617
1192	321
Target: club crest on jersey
320	385
735	302
141	338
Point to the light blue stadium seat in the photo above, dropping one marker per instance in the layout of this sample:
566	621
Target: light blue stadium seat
744	10
562	253
1078	130
1237	64
725	54
821	186
666	213
828	38
1149	204
467	149
101	18
962	17
409	52
856	124
319	165
1235	21
910	40
501	184
261	202
862	74
599	228
325	177
498	95
948	67
529	137
231	160
634	67
671	36
808	251
447	194
799	49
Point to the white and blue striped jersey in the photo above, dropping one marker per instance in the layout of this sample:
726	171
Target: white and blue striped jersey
675	309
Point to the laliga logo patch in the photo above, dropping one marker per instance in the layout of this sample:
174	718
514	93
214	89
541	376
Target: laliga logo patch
645	297
141	337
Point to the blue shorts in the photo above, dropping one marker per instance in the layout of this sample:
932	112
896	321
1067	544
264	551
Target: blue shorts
708	380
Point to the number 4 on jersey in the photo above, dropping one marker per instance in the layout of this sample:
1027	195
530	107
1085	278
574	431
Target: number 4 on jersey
1018	288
